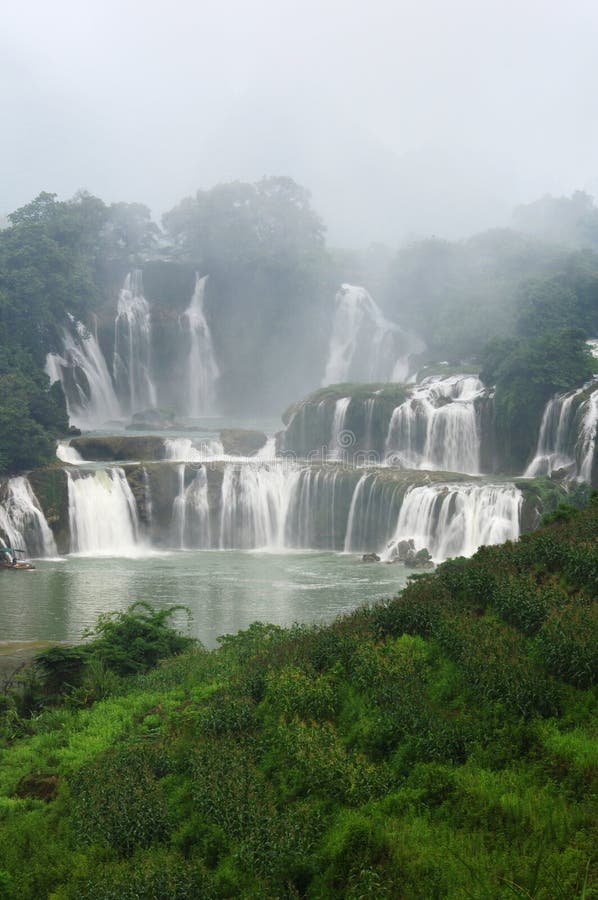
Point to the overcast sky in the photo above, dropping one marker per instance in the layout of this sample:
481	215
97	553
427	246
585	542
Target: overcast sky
404	117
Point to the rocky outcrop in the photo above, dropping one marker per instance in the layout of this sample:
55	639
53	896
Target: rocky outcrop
242	441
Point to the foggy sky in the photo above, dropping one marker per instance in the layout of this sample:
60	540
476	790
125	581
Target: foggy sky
403	118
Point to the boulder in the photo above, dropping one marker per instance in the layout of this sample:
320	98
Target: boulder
422	559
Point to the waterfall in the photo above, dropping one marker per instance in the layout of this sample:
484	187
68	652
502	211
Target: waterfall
437	427
102	513
252	506
364	345
587	438
191	511
132	346
340	440
554	440
82	371
456	519
274	506
22	522
202	370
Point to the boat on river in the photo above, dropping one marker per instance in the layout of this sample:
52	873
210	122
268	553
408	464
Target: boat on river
9	560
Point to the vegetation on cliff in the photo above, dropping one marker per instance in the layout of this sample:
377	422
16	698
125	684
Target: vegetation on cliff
439	744
51	258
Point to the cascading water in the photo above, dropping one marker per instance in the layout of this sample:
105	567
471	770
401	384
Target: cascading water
364	345
277	506
23	525
456	519
103	516
567	436
132	346
202	370
437	427
67	454
82	371
554	440
186	450
587	438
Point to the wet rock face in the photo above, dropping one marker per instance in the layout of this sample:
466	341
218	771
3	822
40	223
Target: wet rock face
242	441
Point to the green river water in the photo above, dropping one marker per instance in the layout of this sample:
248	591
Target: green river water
224	590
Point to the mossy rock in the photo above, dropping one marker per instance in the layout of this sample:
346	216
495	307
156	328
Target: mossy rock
242	441
540	496
116	448
49	484
394	393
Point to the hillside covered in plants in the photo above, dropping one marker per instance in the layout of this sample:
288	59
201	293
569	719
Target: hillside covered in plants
438	744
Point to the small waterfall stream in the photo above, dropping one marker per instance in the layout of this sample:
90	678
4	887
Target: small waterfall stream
340	440
202	370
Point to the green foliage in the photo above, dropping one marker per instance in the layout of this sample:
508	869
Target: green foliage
460	295
134	640
52	257
131	814
527	372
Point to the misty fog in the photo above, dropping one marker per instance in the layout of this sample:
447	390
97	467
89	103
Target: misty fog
403	119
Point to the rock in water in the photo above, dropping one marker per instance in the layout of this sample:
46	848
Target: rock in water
370	558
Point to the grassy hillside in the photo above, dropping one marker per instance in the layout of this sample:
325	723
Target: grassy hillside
439	744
